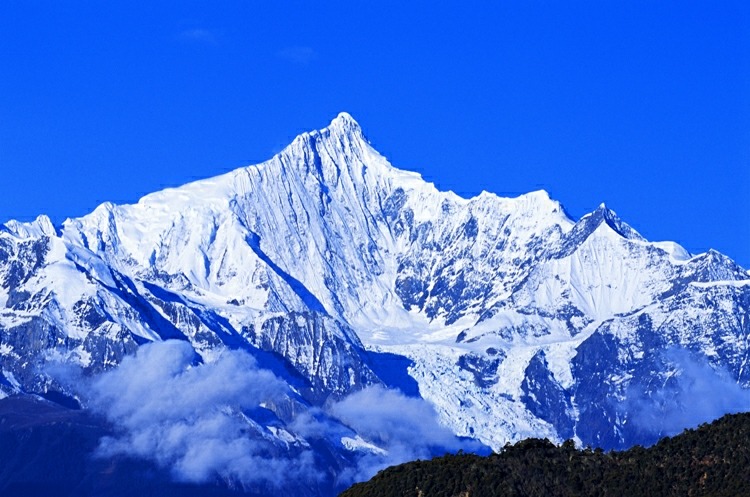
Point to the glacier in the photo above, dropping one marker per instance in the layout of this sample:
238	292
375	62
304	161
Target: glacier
341	272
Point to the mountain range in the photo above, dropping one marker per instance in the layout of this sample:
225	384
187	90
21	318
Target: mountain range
328	312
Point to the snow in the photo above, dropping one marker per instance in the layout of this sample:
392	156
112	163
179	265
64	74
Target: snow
14	319
329	227
41	226
358	444
710	284
282	434
11	378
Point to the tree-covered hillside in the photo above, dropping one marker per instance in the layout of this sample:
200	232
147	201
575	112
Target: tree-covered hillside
712	460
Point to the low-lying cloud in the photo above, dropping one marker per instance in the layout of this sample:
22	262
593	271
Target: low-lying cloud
406	428
195	419
694	393
188	416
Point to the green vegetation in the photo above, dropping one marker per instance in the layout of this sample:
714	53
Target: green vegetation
712	460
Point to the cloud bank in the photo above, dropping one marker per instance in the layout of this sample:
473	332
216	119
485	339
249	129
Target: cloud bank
196	420
189	417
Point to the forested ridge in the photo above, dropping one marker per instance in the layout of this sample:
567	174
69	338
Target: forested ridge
712	460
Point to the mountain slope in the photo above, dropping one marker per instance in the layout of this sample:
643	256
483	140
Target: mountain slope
331	266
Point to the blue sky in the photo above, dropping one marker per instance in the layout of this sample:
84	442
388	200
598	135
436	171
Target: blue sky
642	105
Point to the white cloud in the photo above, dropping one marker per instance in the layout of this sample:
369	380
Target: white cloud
190	418
405	427
187	417
696	393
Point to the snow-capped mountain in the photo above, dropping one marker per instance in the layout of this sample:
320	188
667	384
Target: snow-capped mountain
512	319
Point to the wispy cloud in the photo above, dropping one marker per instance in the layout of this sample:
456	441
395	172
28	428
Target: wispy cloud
298	55
695	393
198	35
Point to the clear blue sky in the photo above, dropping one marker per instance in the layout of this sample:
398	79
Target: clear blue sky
644	105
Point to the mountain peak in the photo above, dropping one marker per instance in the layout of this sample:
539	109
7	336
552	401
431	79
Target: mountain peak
343	128
344	125
41	226
344	118
590	223
604	214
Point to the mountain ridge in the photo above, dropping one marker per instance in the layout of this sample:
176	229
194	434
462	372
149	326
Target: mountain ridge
711	460
326	262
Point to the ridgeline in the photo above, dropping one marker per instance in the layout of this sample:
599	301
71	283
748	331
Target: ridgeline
712	460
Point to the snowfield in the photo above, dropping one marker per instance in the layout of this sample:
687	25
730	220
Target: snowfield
327	261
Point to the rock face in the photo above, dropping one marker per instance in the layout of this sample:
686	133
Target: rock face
513	319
